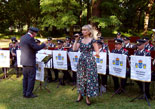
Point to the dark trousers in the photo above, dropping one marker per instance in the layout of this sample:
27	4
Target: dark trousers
116	83
14	64
56	74
147	87
74	77
29	74
49	73
66	76
122	81
102	79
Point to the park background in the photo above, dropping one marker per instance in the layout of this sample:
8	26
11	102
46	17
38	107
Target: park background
61	18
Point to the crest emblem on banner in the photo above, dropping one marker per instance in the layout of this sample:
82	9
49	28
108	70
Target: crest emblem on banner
98	60
2	55
117	62
140	65
59	57
75	59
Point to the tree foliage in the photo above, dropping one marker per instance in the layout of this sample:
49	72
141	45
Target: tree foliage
18	13
60	13
121	15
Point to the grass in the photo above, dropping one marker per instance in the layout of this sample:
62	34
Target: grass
63	97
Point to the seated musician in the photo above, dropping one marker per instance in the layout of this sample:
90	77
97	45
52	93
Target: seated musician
104	46
102	78
141	51
13	48
119	36
12	41
71	50
67	75
119	50
67	43
49	44
148	46
127	43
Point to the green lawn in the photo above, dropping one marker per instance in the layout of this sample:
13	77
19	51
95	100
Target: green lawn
64	98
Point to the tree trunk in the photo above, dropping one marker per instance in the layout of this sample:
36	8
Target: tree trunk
80	17
139	13
96	12
88	11
147	15
71	32
95	8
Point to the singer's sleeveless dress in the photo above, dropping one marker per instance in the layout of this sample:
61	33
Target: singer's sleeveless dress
87	77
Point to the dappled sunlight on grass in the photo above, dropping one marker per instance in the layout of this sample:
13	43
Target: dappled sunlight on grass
66	92
3	106
63	97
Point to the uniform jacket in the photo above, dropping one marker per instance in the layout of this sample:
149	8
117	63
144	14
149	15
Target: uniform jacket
29	49
121	51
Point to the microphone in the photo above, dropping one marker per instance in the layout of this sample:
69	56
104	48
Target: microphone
78	34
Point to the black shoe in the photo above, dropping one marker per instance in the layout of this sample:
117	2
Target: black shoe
49	81
56	80
88	103
31	96
79	99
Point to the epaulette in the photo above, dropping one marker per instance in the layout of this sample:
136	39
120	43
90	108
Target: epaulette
104	50
125	49
147	50
151	45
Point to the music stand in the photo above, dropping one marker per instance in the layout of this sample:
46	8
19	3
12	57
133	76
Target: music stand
153	69
5	73
41	85
61	81
142	96
46	59
119	90
5	69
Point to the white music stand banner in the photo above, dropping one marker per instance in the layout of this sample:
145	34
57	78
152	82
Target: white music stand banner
4	58
141	68
74	57
60	60
117	65
42	54
101	63
40	71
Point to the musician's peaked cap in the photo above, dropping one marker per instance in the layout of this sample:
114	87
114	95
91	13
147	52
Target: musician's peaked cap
140	42
118	41
33	29
60	42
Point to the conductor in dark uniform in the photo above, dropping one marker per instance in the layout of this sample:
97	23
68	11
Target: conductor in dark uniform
29	49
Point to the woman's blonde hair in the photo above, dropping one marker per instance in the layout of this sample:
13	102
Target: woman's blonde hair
93	31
